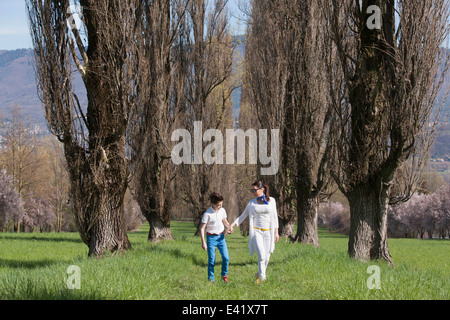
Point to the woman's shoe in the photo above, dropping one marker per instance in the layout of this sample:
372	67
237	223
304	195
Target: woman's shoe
225	278
257	278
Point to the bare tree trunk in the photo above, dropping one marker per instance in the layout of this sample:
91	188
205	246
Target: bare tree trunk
109	232
159	111
384	103
208	90
286	57
98	198
286	228
286	211
93	137
307	221
159	227
108	165
155	200
368	223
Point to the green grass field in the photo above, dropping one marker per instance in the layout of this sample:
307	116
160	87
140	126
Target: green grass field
34	266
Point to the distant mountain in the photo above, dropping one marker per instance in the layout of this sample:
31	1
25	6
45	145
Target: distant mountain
18	84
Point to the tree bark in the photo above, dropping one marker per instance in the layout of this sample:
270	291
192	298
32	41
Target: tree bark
368	223
158	217
286	228
98	186
109	232
307	232
153	191
159	228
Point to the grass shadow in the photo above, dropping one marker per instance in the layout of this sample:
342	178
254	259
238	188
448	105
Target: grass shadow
12	263
38	238
194	259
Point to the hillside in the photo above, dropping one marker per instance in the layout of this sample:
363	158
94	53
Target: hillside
18	84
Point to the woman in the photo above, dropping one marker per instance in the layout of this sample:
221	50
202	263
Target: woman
263	231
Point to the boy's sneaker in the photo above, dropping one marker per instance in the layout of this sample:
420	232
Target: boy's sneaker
225	278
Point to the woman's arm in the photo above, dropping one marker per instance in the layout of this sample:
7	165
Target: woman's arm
275	220
277	236
241	218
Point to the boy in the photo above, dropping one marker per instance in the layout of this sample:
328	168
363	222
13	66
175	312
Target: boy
214	222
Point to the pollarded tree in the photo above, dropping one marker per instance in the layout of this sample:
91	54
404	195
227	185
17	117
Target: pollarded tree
93	138
157	112
267	73
389	58
208	86
286	58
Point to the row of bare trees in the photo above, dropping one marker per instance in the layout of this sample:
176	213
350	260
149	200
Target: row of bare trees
148	68
352	85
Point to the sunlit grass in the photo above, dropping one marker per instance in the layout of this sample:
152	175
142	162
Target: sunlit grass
34	266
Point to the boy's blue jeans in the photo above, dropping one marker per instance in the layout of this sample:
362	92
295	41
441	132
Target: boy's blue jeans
212	242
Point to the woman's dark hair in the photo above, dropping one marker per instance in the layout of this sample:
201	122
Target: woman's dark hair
260	185
215	197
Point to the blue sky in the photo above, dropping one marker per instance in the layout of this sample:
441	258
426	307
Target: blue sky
14	32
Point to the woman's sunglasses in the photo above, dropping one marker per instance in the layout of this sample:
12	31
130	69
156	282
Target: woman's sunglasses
254	190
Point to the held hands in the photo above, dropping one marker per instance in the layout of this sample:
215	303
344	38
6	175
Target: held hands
231	228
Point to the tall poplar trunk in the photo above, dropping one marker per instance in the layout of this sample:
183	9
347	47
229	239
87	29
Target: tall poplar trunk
368	223
155	198
159	219
104	171
286	228
307	231
159	229
98	190
109	232
156	207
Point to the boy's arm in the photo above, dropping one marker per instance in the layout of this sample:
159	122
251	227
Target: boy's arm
225	223
202	235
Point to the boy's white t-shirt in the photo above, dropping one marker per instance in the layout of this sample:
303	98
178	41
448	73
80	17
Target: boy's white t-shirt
214	219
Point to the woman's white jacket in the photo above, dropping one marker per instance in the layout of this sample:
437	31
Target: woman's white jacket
250	213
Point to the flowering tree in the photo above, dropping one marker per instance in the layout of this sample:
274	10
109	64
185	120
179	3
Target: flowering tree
443	216
38	214
11	207
422	213
334	216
